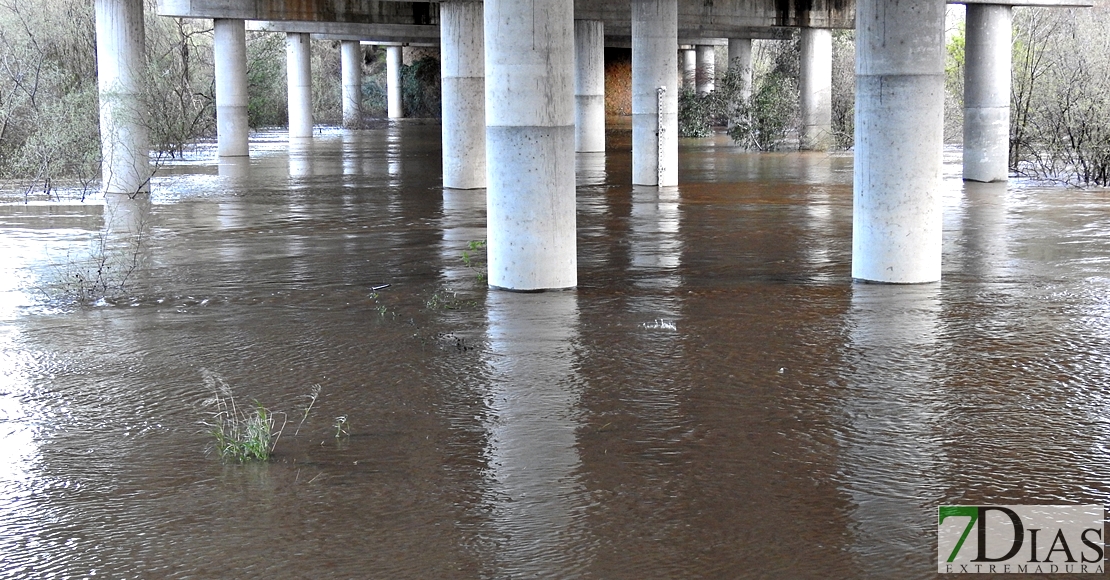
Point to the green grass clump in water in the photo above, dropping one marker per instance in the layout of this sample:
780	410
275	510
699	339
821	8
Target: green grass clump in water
242	434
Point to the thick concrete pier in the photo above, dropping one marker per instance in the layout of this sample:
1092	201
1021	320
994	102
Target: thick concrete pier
987	93
298	67
589	86
688	58
124	134
350	57
463	95
393	82
654	67
816	89
740	55
896	233
530	144
230	53
706	74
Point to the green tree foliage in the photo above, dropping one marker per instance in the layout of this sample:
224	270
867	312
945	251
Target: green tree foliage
1060	99
268	100
954	82
420	88
769	117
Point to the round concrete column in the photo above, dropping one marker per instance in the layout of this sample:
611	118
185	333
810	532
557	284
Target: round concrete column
689	68
654	66
896	220
530	144
816	89
298	68
393	81
124	134
987	93
740	55
230	52
463	95
350	57
707	68
589	85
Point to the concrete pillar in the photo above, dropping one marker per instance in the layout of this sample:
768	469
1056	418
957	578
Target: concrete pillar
124	134
706	68
393	81
816	89
987	93
298	68
230	52
654	65
589	85
740	55
530	144
896	220
689	68
350	53
463	95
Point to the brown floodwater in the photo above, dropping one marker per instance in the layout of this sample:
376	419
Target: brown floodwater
717	399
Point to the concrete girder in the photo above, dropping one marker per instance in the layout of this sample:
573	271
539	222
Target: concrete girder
376	33
355	11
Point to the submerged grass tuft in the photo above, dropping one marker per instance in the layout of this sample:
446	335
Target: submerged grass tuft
242	433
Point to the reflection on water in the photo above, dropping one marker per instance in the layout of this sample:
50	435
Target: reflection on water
717	399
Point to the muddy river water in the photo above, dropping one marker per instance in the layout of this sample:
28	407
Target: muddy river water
717	399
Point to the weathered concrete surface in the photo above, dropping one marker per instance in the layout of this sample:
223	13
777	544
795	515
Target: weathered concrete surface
355	11
706	74
589	85
530	196
121	66
298	68
896	233
464	95
393	82
987	93
232	126
815	87
351	65
740	55
654	66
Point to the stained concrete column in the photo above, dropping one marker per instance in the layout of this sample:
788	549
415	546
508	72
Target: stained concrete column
706	73
298	68
124	134
350	56
589	85
987	93
689	68
393	81
896	221
816	89
740	55
463	95
530	144
654	65
230	52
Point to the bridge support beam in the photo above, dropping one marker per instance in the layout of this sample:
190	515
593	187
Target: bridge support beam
654	118
393	82
896	220
740	55
707	68
589	85
350	56
464	95
816	89
230	52
124	134
530	198
987	93
298	68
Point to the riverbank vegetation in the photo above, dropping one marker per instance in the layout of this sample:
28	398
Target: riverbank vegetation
768	116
